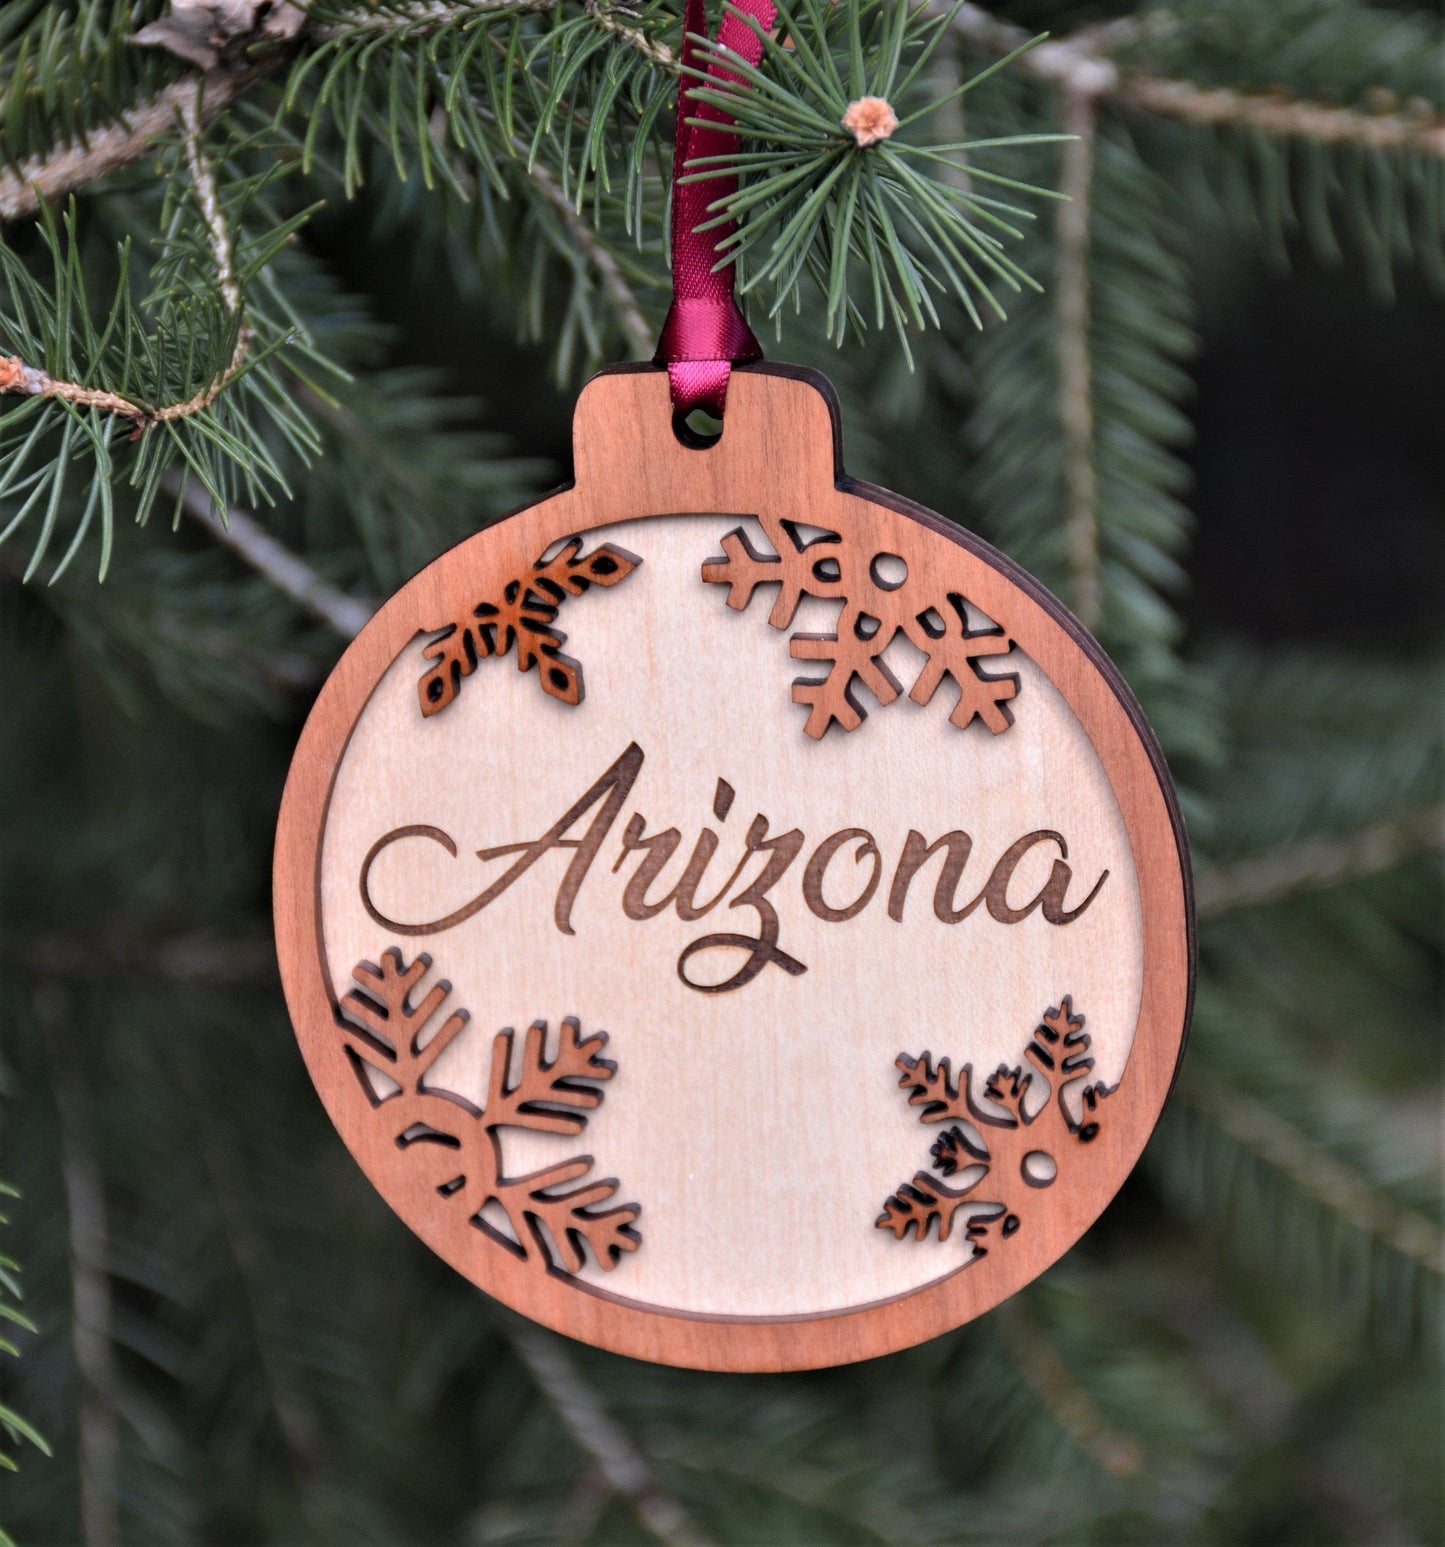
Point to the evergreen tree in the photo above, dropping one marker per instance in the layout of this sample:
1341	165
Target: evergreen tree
214	455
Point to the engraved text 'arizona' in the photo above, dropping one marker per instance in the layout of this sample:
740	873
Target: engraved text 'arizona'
605	800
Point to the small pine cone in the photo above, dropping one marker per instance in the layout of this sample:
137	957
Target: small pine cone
869	120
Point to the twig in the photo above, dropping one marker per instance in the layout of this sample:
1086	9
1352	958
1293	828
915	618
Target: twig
237	961
1289	117
425	19
1073	1409
605	17
297	1419
76	163
639	334
96	1423
604	1440
244	535
216	227
1316	863
1081	64
1074	65
218	232
417	20
1312	1168
634	324
22	380
1076	375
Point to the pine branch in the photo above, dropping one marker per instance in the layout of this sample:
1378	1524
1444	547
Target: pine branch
18	378
13	1427
1082	66
422	19
245	536
1077	67
429	17
159	358
1075	1411
838	176
1076	371
1285	116
1338	1188
90	1317
1316	863
237	961
1096	512
602	1438
297	1420
640	333
507	90
77	163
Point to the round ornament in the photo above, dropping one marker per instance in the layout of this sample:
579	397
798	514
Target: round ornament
734	916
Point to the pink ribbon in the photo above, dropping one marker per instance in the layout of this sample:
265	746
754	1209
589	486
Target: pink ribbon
705	334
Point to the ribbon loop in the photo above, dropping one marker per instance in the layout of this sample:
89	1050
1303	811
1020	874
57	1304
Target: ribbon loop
706	334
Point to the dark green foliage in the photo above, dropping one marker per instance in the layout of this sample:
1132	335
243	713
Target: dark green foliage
560	115
17	1430
66	68
1388	209
814	201
154	338
235	1341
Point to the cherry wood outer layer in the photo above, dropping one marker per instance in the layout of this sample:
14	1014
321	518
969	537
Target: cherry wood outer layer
780	450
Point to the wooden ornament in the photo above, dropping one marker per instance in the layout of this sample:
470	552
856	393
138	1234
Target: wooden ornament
830	827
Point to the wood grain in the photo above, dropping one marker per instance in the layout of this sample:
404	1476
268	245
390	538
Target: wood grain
915	880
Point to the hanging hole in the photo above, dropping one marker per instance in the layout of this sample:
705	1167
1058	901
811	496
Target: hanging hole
888	571
697	430
1039	1169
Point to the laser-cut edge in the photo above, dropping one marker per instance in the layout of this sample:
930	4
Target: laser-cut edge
998	1136
524	615
456	1148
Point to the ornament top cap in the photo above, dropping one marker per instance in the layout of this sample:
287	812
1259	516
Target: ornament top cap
631	403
